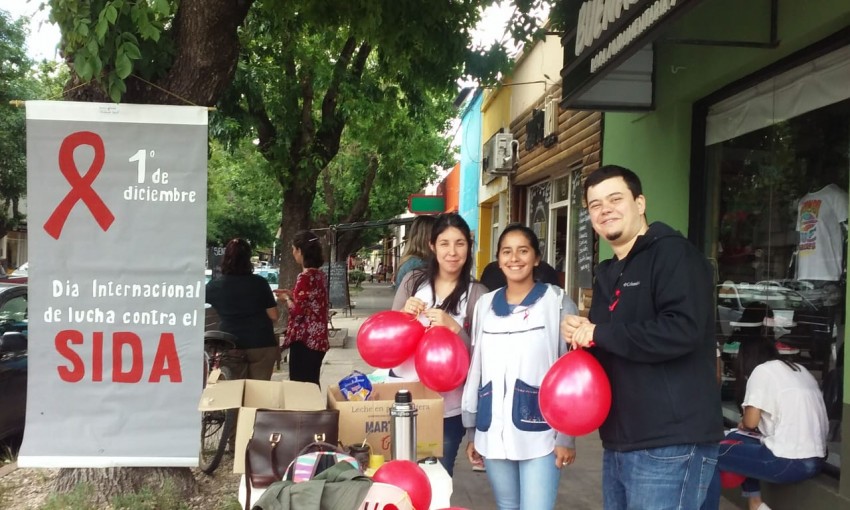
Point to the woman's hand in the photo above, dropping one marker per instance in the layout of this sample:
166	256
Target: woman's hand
414	306
472	454
564	456
439	317
284	295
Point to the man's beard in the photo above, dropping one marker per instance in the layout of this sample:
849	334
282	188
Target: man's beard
613	236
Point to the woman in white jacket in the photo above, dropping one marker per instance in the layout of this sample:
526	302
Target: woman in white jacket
516	339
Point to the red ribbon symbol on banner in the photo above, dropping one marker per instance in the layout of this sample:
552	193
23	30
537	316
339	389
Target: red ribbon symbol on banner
80	184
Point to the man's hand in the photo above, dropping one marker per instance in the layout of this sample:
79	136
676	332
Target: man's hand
564	456
577	331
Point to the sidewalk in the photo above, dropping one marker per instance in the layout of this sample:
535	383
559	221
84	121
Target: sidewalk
581	483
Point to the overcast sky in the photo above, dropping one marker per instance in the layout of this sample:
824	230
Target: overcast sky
44	36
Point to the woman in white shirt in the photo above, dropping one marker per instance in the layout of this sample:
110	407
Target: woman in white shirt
442	293
516	339
782	403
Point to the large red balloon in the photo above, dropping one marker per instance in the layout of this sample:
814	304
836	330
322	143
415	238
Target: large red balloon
386	339
441	359
409	477
575	395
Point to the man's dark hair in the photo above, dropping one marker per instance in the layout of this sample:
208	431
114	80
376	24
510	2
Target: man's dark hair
311	248
606	172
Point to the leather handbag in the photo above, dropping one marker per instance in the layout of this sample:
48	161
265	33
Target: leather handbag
278	438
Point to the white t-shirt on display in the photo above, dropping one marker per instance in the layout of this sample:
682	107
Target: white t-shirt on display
819	218
793	415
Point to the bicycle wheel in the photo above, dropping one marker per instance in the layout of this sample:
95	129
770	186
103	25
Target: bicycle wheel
216	429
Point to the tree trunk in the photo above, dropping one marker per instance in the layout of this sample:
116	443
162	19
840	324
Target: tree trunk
295	216
107	483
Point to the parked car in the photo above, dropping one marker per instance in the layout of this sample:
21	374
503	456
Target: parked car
270	274
13	359
19	275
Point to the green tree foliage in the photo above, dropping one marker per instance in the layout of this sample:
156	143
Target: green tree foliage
243	197
20	79
387	152
311	69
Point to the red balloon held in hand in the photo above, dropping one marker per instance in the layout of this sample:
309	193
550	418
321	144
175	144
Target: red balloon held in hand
441	359
575	395
408	476
386	339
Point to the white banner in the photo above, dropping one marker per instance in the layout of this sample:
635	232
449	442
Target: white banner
116	199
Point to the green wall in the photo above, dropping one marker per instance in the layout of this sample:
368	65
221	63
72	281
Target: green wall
657	144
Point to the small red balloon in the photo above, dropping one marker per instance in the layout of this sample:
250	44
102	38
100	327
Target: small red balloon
441	359
575	395
387	338
731	480
408	476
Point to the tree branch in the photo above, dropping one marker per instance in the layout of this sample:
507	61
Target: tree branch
361	205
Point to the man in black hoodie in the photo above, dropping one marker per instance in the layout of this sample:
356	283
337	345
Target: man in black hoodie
651	326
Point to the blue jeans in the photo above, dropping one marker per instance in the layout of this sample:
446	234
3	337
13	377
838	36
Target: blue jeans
666	478
524	484
453	433
755	461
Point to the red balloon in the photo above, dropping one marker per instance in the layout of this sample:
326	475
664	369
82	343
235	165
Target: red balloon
441	359
408	476
386	339
731	480
575	395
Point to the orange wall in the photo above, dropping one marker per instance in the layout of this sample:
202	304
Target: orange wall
452	188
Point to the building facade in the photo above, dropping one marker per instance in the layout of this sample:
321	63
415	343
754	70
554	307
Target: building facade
736	116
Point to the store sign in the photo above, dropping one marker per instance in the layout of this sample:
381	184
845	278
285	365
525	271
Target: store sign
607	34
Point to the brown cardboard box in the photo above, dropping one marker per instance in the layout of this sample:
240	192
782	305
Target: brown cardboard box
249	395
370	419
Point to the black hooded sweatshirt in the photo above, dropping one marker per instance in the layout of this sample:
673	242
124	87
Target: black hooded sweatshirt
654	337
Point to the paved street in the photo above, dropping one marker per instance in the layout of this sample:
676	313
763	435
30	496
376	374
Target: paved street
580	487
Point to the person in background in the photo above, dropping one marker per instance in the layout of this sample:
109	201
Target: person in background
784	405
307	331
442	293
248	310
418	248
651	326
510	357
493	277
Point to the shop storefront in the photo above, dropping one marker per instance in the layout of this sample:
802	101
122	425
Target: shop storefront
738	122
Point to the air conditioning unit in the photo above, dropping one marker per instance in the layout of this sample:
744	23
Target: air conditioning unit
499	154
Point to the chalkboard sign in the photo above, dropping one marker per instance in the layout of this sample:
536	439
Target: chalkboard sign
337	284
584	237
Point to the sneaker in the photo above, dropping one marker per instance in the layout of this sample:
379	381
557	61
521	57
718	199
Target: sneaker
786	349
731	347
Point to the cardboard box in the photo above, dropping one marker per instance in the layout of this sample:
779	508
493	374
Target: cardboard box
248	395
370	419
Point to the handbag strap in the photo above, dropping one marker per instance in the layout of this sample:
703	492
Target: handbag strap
320	446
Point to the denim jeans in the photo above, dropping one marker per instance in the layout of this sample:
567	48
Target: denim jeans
453	433
666	478
755	461
524	484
